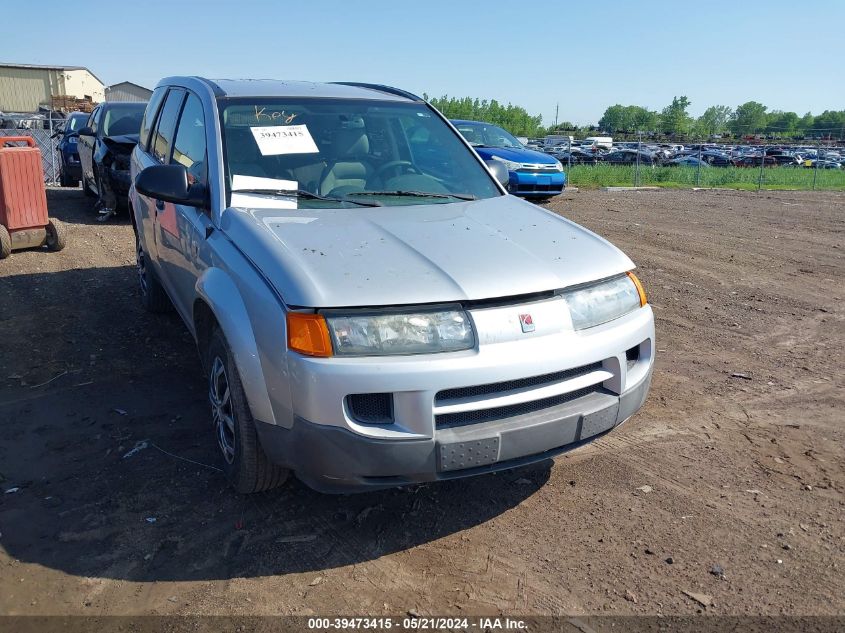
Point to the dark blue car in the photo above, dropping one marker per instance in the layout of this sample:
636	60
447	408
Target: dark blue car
532	174
71	170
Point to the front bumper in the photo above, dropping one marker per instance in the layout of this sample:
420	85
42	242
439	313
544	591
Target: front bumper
71	166
516	398
335	460
539	184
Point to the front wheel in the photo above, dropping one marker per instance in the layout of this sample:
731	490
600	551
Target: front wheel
247	467
5	242
56	235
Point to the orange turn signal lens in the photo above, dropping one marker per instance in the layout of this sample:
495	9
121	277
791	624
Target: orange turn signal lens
308	334
640	289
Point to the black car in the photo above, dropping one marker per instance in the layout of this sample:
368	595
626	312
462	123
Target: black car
629	157
105	145
70	172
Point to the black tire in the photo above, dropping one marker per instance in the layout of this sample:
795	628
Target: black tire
89	193
64	181
56	235
153	296
247	467
5	242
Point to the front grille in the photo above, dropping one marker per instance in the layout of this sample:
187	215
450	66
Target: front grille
371	408
452	420
533	169
533	187
509	385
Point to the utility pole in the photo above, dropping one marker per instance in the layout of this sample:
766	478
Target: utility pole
557	106
698	168
639	149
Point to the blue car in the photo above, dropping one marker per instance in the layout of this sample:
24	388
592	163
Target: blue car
71	170
532	174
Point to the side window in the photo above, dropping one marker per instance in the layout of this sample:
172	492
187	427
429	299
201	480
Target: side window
150	116
163	137
190	144
93	120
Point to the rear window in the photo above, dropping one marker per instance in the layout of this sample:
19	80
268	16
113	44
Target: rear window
124	119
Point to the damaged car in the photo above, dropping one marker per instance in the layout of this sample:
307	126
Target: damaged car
371	306
105	145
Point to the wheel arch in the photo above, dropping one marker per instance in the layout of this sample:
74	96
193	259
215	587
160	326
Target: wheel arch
219	304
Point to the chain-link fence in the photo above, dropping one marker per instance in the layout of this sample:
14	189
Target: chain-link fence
811	165
43	131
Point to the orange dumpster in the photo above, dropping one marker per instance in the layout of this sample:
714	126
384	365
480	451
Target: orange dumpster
24	222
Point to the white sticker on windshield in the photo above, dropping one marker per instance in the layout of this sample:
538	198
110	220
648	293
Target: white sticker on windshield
260	201
284	139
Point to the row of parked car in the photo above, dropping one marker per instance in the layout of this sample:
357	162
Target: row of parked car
706	155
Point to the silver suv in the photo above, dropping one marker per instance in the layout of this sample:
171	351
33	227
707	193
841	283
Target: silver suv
371	307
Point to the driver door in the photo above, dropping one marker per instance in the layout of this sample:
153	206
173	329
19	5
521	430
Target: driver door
180	230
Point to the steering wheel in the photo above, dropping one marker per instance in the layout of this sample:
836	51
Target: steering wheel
396	164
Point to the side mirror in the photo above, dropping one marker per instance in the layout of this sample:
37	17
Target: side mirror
499	171
86	131
169	183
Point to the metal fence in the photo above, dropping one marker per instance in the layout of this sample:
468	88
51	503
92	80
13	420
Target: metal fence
42	130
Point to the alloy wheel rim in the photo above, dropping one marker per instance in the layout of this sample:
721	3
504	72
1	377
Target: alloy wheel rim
223	417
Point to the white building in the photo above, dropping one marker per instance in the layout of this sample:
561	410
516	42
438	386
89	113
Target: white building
25	87
127	91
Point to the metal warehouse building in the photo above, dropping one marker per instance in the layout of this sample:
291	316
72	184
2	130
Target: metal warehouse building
25	87
127	91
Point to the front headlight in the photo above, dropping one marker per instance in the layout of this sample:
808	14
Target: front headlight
559	166
605	301
423	332
511	165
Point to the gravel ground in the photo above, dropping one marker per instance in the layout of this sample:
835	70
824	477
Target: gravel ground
729	482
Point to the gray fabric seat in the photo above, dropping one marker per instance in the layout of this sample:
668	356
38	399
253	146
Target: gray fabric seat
350	170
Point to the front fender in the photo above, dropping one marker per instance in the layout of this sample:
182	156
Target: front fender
221	294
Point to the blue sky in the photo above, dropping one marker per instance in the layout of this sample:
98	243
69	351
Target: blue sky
584	56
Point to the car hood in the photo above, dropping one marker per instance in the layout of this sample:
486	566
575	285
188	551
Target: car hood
378	256
516	155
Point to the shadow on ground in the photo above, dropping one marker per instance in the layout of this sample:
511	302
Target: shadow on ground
69	204
108	440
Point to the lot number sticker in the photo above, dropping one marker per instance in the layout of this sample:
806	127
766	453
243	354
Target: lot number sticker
289	139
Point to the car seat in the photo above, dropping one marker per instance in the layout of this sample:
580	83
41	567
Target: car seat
349	170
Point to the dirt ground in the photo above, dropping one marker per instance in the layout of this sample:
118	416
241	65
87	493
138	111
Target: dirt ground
740	442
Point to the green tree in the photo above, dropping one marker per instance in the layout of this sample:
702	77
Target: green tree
805	123
675	119
829	123
619	118
713	121
514	119
779	123
748	118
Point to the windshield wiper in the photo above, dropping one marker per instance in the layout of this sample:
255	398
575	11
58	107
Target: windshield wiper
414	194
308	195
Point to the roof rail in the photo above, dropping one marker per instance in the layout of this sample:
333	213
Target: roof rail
380	88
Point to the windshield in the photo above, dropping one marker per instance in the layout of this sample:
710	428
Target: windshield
76	122
487	135
339	153
123	119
